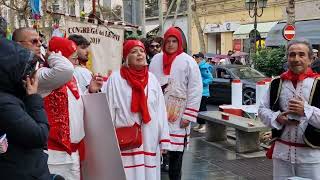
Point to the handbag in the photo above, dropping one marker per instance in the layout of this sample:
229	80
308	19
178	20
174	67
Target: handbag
129	137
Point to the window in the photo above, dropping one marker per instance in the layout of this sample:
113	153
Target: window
222	72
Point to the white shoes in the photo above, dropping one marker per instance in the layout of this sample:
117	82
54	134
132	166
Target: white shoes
196	128
202	129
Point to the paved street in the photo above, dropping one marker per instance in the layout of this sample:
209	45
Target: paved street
206	161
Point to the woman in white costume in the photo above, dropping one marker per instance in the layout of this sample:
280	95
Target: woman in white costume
135	98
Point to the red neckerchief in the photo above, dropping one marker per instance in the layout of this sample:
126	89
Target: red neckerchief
169	58
72	85
294	78
138	80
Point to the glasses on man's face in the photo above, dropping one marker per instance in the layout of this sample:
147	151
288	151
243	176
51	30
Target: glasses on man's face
155	46
33	41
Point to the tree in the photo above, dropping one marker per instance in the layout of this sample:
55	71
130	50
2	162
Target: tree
198	26
270	61
18	8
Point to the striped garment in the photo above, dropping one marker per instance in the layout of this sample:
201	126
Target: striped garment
3	144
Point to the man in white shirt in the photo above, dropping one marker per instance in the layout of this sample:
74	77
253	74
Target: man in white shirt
291	107
82	73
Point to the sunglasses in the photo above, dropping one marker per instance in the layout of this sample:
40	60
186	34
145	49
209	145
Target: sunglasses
155	46
33	41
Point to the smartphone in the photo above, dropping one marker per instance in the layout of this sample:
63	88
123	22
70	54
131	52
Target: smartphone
31	66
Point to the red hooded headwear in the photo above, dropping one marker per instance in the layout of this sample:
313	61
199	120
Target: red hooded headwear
138	80
169	58
65	46
129	44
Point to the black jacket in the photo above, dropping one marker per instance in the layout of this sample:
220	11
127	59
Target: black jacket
22	118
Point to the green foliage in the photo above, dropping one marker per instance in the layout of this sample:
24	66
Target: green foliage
133	34
270	61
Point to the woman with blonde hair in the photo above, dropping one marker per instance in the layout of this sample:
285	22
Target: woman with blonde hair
138	112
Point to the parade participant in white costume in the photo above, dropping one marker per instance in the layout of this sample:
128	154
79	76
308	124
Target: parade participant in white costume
136	102
81	72
180	78
65	110
291	108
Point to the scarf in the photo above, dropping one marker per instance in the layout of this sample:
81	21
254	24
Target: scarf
169	58
138	80
294	78
72	85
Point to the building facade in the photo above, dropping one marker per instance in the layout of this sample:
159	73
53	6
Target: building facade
226	23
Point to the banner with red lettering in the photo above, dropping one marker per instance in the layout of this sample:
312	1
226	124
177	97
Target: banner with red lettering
106	44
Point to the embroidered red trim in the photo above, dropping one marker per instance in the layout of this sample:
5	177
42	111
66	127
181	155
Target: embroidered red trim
179	144
56	106
139	165
164	140
138	153
179	135
188	114
190	109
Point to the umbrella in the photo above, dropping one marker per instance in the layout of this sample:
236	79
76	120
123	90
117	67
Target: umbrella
236	54
209	55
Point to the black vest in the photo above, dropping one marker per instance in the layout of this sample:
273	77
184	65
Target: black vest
311	134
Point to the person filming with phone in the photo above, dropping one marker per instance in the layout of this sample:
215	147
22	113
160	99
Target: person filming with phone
22	115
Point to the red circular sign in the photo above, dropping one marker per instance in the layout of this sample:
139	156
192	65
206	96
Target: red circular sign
289	32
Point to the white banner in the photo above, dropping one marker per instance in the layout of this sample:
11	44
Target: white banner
102	159
106	44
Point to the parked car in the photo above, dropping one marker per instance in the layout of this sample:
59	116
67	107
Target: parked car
220	89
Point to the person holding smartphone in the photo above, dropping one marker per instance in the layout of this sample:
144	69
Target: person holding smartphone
22	116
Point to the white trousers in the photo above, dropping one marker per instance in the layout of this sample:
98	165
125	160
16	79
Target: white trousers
284	169
65	165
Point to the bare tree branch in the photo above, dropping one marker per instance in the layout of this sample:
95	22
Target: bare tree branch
198	26
3	2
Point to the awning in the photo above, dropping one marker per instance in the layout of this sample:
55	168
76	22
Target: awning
309	30
150	27
243	31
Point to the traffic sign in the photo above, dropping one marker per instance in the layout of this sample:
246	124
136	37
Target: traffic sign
289	32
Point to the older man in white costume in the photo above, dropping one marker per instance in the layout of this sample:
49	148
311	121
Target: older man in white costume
291	108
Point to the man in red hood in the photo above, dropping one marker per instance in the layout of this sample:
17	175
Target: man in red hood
180	78
291	108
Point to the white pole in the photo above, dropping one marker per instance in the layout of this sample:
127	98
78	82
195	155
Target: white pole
143	17
236	93
160	3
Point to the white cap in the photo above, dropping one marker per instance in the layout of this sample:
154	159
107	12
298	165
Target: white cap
314	50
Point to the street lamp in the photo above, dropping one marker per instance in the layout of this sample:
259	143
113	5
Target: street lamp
253	6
